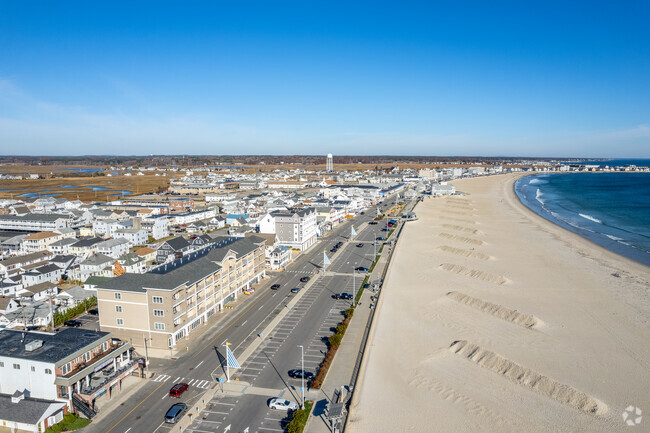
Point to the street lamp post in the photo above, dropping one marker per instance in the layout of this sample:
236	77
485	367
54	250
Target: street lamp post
302	362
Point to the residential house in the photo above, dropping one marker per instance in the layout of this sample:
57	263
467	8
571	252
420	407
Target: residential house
135	236
98	265
46	273
113	247
39	241
172	248
13	264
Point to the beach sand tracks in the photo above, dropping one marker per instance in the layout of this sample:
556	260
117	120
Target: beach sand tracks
468	212
461	239
457	220
528	378
474	273
464	253
496	310
462	229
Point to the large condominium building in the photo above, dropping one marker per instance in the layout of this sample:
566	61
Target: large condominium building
163	306
296	229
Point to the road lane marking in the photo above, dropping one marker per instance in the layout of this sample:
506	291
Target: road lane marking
199	364
164	396
136	406
128	430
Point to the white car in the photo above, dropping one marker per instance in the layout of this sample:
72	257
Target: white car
282	404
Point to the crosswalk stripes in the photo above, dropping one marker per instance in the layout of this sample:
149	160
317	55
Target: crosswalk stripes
197	383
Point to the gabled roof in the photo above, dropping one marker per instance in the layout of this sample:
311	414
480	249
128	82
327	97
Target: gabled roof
41	235
177	243
97	260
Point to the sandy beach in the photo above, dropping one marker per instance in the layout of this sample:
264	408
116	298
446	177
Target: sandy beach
493	319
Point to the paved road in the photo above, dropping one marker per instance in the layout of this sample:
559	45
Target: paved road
307	324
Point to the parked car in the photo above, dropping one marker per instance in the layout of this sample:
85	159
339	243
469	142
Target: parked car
275	287
299	374
282	404
385	229
295	290
363	213
361	269
359	245
381	238
94	311
339	245
373	223
175	413
342	296
333	250
304	279
73	323
178	389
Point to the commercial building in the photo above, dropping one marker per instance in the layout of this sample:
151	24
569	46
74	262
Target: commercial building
164	306
74	366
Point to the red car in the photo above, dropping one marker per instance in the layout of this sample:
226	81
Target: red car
178	389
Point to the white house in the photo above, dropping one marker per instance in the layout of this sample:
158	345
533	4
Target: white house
134	236
113	247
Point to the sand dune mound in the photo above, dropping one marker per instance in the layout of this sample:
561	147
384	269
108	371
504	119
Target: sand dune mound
462	228
465	253
527	378
474	273
462	239
495	310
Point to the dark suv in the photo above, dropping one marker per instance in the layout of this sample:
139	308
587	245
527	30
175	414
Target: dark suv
73	323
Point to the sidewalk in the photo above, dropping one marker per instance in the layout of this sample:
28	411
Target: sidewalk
343	367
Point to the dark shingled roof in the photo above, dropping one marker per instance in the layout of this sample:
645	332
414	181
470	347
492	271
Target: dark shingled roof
55	347
27	410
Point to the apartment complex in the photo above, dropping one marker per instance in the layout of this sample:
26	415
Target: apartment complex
34	222
164	306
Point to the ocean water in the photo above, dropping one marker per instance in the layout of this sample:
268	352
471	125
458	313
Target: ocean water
610	209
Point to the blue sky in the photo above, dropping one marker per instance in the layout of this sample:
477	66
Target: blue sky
314	77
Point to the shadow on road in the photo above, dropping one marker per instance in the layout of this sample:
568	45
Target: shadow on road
222	359
281	377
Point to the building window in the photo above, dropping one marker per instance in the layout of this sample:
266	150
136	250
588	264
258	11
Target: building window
48	371
2	364
118	308
86	356
33	369
16	366
104	346
158	313
120	321
157	300
159	326
118	296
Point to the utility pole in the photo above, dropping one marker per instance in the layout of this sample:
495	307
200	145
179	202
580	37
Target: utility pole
302	388
146	354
